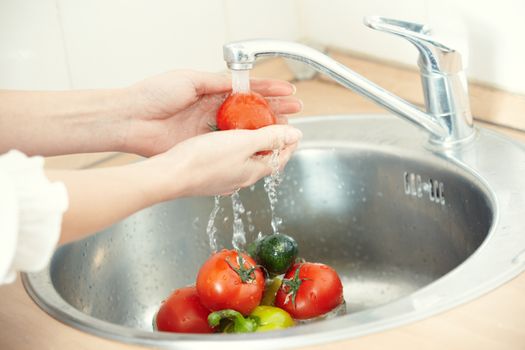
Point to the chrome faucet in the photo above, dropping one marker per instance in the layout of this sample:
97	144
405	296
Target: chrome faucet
447	118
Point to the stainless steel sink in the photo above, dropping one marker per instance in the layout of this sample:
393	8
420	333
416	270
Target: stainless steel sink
411	230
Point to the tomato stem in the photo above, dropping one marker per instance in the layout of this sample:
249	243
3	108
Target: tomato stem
246	274
293	285
213	127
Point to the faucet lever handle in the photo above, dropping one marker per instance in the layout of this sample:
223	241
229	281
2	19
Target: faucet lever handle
435	56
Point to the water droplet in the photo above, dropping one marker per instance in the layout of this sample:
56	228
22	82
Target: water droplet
195	223
211	229
239	236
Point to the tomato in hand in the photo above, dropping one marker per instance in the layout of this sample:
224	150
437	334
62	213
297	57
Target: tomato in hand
309	290
229	280
245	111
183	312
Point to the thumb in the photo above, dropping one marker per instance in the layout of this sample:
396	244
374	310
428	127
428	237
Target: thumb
275	137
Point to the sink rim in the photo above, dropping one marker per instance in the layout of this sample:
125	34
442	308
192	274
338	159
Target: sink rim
434	298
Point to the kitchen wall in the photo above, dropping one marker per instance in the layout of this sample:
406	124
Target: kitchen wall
490	32
61	44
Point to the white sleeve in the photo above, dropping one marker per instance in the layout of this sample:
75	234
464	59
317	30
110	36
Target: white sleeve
31	209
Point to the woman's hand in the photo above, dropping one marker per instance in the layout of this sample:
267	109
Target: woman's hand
214	163
221	162
147	118
174	106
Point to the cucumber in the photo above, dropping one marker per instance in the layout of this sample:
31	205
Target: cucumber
277	253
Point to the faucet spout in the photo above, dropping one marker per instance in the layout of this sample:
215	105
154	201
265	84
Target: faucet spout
242	55
447	119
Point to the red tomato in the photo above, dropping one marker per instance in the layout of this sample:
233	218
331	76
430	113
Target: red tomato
245	111
309	290
225	283
183	312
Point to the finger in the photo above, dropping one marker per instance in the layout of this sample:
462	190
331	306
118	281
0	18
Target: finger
210	83
261	166
282	119
272	87
285	155
274	137
285	105
214	83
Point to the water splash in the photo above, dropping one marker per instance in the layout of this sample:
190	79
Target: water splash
240	81
239	236
211	229
251	226
270	186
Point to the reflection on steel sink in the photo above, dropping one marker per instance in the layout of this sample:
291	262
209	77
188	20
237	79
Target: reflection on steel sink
411	231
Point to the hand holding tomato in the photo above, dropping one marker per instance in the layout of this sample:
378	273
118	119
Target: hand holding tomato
218	162
229	280
164	110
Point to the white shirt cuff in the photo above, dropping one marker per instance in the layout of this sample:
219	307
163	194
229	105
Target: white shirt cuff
38	206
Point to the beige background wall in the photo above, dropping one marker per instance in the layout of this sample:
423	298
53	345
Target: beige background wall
60	44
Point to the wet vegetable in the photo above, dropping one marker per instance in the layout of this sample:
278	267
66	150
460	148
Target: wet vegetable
310	290
270	291
245	111
230	280
262	319
277	252
182	312
271	318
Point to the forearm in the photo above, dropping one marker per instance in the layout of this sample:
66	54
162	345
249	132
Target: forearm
62	122
209	164
100	197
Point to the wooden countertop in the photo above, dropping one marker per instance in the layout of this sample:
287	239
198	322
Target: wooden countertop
494	321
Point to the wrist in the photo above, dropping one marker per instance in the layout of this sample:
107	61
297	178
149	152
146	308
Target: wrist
136	132
159	179
94	120
103	116
117	106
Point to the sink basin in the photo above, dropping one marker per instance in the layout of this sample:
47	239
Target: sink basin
411	230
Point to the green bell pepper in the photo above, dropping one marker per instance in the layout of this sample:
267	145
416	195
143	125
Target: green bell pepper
263	318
